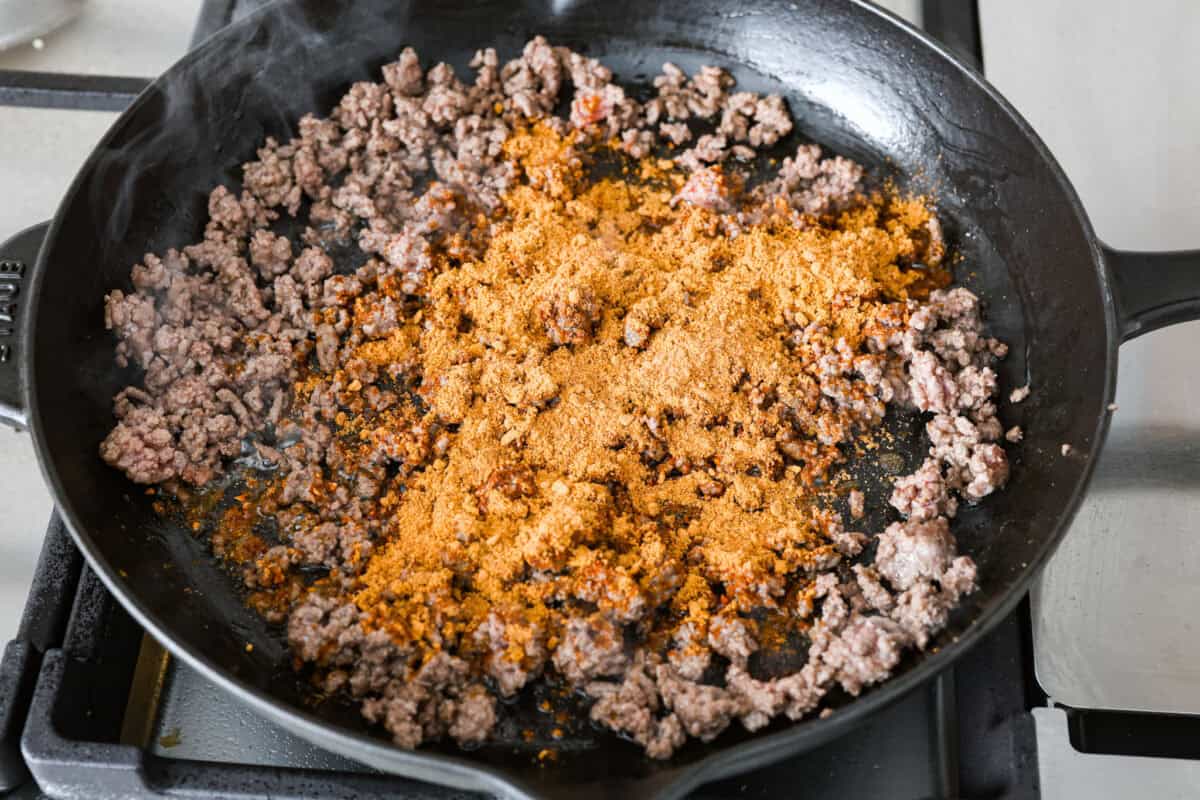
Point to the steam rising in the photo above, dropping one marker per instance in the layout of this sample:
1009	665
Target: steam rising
208	114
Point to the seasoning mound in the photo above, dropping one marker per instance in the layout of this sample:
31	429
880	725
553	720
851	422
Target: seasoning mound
581	413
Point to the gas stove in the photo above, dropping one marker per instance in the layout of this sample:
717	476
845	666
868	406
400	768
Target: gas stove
91	706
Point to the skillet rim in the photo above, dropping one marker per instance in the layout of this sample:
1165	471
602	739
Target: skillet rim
460	771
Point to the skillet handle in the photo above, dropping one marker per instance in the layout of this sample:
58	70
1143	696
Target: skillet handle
18	257
1154	290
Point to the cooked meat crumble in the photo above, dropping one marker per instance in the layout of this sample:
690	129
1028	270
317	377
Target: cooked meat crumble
562	426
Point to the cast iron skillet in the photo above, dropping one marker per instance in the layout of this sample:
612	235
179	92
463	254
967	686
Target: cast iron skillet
859	81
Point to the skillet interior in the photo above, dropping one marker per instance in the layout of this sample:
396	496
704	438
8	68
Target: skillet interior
857	81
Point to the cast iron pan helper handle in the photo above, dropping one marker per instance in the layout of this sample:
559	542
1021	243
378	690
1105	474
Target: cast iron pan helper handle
1153	290
18	256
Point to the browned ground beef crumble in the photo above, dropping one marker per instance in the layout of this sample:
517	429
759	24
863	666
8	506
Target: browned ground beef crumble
407	165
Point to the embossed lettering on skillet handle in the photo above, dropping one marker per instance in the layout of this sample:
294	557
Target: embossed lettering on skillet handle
17	259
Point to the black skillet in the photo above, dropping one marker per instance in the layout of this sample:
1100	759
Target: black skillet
859	81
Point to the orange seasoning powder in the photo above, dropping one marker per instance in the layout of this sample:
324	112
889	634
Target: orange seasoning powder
630	403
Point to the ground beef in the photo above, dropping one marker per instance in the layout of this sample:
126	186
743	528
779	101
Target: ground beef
473	717
706	188
874	594
331	544
952	438
327	347
270	254
613	592
910	551
675	132
976	385
920	609
732	638
226	330
633	708
690	655
932	386
375	663
771	122
812	185
760	701
710	149
667	737
862	653
143	447
511	671
319	626
987	470
590	648
703	711
924	494
434	701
